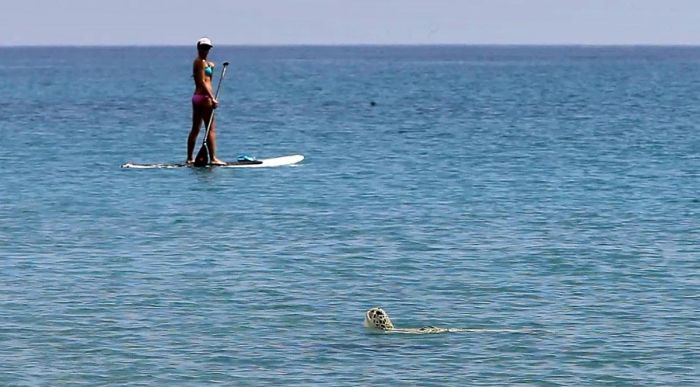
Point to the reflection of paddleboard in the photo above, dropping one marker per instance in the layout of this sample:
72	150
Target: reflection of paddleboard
247	163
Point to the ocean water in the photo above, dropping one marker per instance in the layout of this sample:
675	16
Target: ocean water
547	195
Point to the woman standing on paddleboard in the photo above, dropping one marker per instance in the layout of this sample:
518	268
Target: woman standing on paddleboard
203	101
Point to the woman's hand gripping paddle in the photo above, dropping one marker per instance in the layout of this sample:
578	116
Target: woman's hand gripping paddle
203	158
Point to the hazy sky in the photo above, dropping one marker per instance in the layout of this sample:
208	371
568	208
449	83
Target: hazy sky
180	22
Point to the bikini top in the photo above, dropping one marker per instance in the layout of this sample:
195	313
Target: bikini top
209	71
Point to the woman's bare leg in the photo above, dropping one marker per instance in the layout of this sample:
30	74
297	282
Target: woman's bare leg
194	132
211	139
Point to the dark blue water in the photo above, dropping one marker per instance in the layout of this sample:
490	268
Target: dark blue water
553	190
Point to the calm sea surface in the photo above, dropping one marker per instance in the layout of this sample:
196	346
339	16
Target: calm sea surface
554	191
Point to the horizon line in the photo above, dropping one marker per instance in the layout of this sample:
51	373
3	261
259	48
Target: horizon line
330	45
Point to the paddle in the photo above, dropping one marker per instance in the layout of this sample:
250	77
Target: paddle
202	158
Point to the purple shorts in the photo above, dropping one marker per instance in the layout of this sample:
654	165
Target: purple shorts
199	99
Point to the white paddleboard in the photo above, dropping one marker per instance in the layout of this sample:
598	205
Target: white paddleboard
262	163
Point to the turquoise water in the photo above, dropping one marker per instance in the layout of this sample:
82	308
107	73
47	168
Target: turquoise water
552	190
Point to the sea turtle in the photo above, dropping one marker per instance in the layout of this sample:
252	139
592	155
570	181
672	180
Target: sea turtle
378	320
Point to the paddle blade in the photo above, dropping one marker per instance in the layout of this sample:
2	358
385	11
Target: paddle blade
202	158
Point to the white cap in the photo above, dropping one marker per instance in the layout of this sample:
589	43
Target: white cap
204	42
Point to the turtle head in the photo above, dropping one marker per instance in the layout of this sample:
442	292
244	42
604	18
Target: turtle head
377	318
